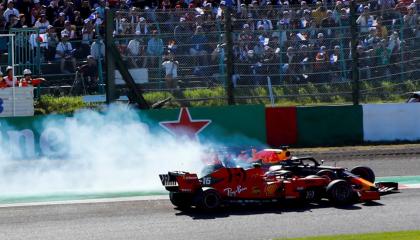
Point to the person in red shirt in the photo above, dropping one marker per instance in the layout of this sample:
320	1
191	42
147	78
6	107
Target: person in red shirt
2	82
9	78
27	79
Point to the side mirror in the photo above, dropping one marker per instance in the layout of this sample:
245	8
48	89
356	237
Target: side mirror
322	162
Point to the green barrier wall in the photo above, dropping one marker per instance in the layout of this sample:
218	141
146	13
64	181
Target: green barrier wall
230	125
330	125
234	125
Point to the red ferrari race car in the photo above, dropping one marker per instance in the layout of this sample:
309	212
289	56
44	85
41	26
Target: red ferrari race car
303	179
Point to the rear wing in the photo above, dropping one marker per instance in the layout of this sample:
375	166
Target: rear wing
180	181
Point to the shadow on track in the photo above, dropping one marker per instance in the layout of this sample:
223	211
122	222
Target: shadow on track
277	208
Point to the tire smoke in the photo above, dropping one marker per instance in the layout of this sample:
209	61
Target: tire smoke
99	152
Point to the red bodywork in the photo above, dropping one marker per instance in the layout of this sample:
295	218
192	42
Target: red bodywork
274	175
256	183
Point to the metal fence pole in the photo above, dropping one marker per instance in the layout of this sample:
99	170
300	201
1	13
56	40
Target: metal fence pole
109	60
100	73
229	55
354	53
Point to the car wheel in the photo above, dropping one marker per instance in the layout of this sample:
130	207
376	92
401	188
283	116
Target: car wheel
327	173
210	199
364	172
340	192
180	200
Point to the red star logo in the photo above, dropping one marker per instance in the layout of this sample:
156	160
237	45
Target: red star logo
185	126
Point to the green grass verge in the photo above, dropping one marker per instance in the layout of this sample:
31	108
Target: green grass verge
48	104
404	235
298	95
292	95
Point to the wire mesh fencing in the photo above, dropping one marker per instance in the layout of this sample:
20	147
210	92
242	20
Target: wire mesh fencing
279	54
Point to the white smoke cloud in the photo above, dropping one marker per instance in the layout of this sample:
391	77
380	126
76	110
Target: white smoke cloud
100	152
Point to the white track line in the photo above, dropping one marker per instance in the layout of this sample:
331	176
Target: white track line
99	200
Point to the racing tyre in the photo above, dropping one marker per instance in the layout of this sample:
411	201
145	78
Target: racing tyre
364	172
327	173
180	200
210	199
340	192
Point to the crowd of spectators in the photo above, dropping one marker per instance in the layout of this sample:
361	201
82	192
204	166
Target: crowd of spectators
67	29
296	40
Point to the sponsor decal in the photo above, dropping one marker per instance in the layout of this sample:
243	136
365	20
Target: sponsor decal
185	190
233	192
256	190
190	177
270	189
186	125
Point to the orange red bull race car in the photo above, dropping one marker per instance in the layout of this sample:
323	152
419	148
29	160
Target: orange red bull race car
273	175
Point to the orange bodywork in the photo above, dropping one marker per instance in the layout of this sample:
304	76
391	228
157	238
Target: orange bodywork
271	156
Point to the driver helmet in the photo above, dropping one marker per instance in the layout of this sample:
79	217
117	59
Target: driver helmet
27	72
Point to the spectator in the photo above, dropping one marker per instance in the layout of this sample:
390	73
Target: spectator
59	22
364	62
336	62
69	30
52	41
10	10
365	20
329	24
88	34
319	13
142	26
10	79
97	49
65	53
21	21
52	11
372	38
78	20
198	47
383	57
381	30
321	64
13	22
134	50
411	22
35	12
266	24
154	49
304	59
2	81
42	23
27	79
171	71
85	9
89	72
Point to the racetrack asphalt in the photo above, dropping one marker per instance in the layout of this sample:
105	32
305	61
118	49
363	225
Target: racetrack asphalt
157	219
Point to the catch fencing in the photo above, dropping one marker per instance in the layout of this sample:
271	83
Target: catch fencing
276	55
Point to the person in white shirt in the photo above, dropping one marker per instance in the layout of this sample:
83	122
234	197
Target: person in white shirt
68	29
10	10
64	52
97	49
42	24
365	20
171	71
134	50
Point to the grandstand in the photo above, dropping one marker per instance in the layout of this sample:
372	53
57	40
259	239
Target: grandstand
279	45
